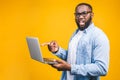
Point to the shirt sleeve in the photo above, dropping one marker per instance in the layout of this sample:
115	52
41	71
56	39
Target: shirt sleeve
100	63
61	53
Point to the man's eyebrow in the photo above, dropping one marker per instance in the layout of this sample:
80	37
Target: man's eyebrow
83	11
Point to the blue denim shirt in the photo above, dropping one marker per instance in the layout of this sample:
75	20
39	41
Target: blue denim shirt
92	55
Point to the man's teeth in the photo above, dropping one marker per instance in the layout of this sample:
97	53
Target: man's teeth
82	22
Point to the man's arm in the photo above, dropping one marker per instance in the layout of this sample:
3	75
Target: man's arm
61	53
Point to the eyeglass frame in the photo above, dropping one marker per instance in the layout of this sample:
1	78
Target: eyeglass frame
84	13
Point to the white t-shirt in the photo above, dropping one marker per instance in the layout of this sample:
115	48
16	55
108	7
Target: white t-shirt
72	52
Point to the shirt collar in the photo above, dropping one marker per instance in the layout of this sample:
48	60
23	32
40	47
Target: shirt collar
89	28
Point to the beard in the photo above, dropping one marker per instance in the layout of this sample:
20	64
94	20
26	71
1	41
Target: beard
86	24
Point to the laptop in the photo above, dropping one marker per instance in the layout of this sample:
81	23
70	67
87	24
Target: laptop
35	51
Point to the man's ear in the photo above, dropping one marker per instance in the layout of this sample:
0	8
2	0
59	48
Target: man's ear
92	14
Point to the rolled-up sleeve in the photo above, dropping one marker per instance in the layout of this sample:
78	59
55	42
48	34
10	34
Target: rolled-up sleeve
61	53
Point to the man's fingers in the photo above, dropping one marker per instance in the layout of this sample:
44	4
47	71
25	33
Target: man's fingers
59	61
49	43
45	44
52	46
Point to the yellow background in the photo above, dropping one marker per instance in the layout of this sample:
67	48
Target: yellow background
49	20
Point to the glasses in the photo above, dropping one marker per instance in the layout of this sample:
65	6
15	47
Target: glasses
82	14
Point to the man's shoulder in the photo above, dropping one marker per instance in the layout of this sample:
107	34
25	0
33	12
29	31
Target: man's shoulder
99	33
97	30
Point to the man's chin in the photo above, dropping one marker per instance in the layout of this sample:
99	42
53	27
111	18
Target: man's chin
81	28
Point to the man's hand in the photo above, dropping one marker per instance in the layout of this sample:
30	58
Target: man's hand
52	46
62	65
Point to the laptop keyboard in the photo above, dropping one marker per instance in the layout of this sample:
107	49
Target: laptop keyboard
48	59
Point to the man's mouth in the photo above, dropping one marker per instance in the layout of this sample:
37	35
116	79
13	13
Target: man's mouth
82	23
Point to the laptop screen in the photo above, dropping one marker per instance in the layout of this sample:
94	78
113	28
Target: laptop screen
34	48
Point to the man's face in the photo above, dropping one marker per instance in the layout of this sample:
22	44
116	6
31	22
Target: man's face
83	17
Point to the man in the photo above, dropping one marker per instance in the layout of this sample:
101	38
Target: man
87	56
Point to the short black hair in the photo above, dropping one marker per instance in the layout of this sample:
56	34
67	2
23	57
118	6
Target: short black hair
86	4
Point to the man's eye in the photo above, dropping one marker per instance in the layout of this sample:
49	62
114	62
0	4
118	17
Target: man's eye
84	13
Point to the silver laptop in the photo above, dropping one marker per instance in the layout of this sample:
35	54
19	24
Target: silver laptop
35	51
